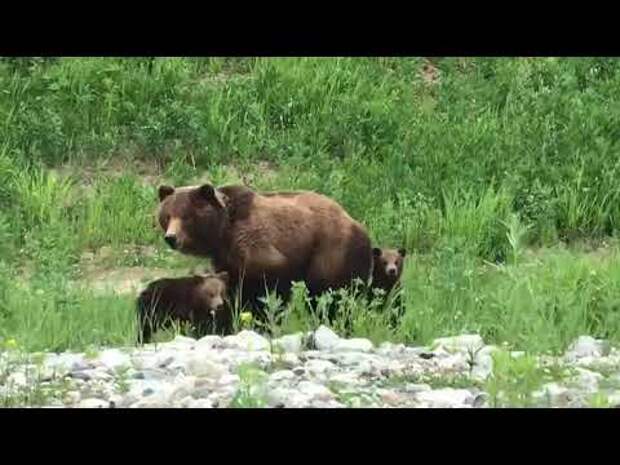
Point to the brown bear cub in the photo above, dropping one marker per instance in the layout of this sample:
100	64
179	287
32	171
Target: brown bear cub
386	273
387	267
199	300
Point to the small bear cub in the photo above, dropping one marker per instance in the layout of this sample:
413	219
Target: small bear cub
199	299
387	267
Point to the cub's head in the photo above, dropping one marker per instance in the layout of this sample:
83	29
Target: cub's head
213	291
192	218
388	263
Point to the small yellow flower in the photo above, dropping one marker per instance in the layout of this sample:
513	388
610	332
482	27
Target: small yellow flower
246	318
10	343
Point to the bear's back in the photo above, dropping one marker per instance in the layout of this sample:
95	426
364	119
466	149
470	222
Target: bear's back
170	294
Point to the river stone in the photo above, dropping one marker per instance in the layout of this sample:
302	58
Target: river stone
292	343
324	338
464	343
353	345
246	340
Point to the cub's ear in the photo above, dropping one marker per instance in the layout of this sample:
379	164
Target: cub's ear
212	195
402	252
376	252
223	275
165	191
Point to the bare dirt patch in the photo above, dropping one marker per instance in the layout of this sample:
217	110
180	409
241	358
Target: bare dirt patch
123	280
149	172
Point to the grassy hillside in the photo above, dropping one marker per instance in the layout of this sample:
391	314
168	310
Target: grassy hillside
498	175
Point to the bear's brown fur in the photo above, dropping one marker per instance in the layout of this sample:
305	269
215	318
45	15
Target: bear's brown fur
199	300
387	267
267	240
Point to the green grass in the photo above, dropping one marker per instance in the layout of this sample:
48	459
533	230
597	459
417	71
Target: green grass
497	179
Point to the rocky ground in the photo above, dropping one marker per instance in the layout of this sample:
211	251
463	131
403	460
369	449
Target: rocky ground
319	370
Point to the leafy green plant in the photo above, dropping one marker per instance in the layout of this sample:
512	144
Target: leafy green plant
513	380
251	391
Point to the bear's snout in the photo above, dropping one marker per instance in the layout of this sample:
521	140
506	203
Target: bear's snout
391	270
171	240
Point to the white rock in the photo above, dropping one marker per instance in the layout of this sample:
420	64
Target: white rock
325	404
93	403
483	363
554	393
185	340
72	397
182	388
587	380
186	402
614	399
201	403
64	363
247	340
209	342
360	363
282	375
324	338
283	396
182	342
118	401
261	359
388	348
162	359
198	365
149	402
114	359
228	379
315	391
153	374
456	362
319	367
367	368
464	342
353	345
587	346
480	400
446	398
289	360
413	388
97	374
291	343
597	363
350	379
17	379
418	352
353	359
390	397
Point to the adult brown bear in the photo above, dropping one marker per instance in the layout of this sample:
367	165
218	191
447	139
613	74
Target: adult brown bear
266	240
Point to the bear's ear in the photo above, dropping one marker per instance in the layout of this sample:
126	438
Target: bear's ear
402	252
212	195
376	252
165	191
223	275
